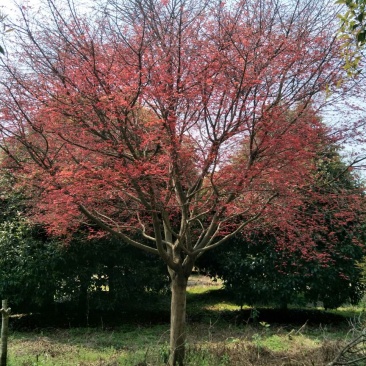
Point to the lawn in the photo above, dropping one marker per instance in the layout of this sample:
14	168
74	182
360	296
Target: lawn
218	334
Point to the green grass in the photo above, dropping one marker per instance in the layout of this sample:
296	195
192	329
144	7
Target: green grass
87	346
210	345
217	336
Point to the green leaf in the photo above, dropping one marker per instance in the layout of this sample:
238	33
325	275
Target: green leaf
361	37
360	17
2	50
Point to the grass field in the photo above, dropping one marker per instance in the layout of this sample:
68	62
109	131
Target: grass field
219	334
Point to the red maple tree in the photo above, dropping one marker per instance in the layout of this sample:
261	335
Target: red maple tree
183	122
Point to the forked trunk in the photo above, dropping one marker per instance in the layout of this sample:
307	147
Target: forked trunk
178	319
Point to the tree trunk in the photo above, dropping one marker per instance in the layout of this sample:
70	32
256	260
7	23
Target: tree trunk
178	319
4	332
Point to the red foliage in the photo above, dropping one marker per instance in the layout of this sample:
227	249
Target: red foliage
184	124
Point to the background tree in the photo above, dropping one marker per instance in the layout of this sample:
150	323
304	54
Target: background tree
352	32
38	271
263	268
131	119
27	273
353	20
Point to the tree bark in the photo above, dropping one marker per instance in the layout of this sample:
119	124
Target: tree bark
5	311
178	319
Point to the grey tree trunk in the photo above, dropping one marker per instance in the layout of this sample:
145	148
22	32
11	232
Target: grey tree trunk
5	311
178	319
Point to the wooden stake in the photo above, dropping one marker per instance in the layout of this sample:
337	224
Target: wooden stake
5	311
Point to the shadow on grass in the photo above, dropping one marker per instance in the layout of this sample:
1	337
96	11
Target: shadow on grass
201	307
274	316
106	320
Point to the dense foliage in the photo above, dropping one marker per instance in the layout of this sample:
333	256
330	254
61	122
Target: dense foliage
38	271
272	266
353	20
